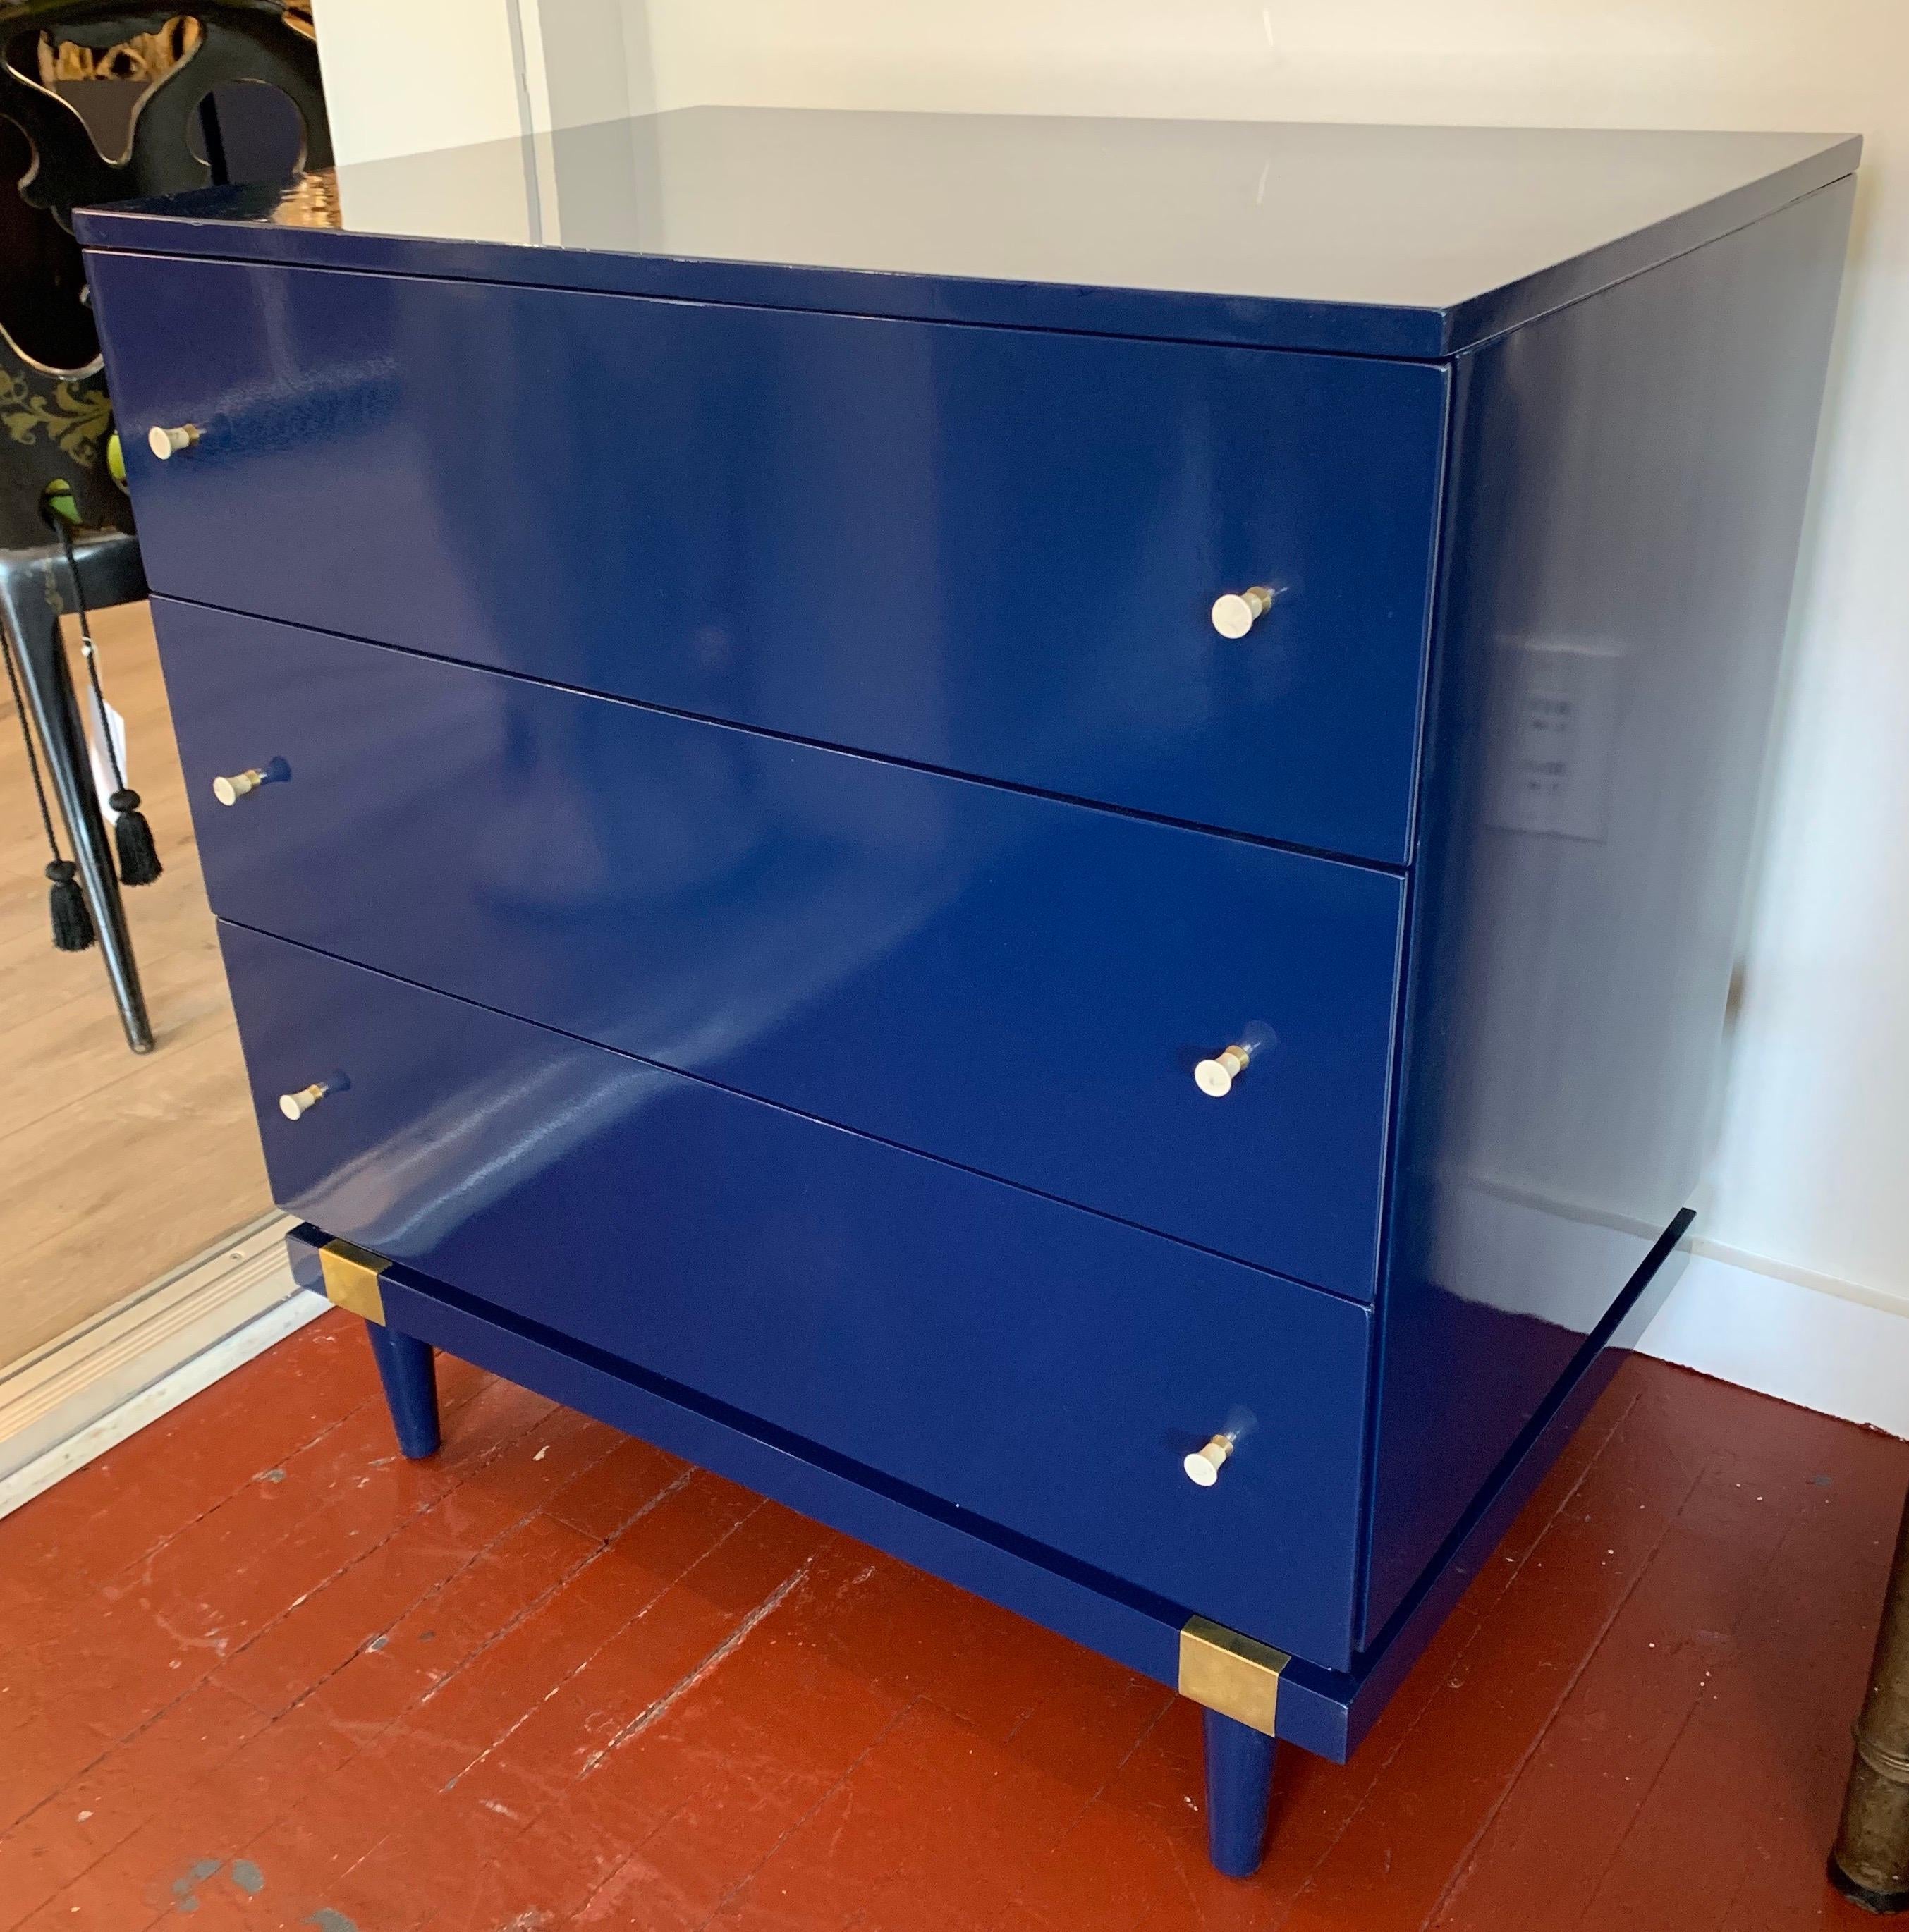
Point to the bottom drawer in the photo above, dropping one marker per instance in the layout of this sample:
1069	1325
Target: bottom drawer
1037	1363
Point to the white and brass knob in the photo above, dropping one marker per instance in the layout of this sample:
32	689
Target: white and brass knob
1204	1465
1214	1078
296	1106
1238	611
165	443
240	784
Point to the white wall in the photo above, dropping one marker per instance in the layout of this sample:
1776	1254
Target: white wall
445	73
1812	1178
430	73
578	68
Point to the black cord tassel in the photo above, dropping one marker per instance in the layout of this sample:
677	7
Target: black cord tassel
132	837
72	924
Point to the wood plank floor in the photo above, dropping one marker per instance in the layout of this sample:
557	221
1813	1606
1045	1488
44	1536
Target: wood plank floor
256	1672
113	1167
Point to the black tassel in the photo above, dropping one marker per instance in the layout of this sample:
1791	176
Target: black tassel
139	857
72	924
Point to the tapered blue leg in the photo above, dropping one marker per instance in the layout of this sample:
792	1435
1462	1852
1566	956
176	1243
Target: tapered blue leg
1239	1791
409	1371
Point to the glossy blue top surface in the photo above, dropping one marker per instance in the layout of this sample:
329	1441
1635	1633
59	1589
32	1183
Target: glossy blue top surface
1396	241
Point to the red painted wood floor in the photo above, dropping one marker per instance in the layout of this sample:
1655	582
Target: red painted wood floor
255	1671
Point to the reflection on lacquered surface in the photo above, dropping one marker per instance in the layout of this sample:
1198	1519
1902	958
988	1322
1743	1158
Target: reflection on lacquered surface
870	1301
1418	216
1015	983
1609	667
310	201
830	672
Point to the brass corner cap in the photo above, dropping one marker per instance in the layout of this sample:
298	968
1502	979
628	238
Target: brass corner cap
1237	1676
351	1278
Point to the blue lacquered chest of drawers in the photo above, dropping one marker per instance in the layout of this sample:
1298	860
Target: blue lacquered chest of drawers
1031	831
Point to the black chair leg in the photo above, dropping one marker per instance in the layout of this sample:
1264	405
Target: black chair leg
32	594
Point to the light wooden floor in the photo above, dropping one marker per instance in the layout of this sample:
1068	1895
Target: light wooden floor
113	1167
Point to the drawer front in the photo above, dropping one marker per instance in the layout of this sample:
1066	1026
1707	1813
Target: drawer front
1045	1368
1015	983
989	551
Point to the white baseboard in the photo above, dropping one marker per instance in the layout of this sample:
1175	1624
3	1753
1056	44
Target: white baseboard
1843	1351
92	1387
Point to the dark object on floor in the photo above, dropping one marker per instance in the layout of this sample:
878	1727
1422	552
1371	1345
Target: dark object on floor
1871	1862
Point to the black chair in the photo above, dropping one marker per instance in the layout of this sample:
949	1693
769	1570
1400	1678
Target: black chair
55	417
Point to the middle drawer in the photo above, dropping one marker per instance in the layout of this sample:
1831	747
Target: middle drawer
1016	984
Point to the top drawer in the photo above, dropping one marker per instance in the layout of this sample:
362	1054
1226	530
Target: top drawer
989	550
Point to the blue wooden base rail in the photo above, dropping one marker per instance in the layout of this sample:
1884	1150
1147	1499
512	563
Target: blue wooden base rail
409	1316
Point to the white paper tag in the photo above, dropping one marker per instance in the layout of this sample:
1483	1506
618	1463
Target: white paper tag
1554	734
103	721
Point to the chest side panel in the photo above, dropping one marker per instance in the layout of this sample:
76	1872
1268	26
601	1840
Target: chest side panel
1629	497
